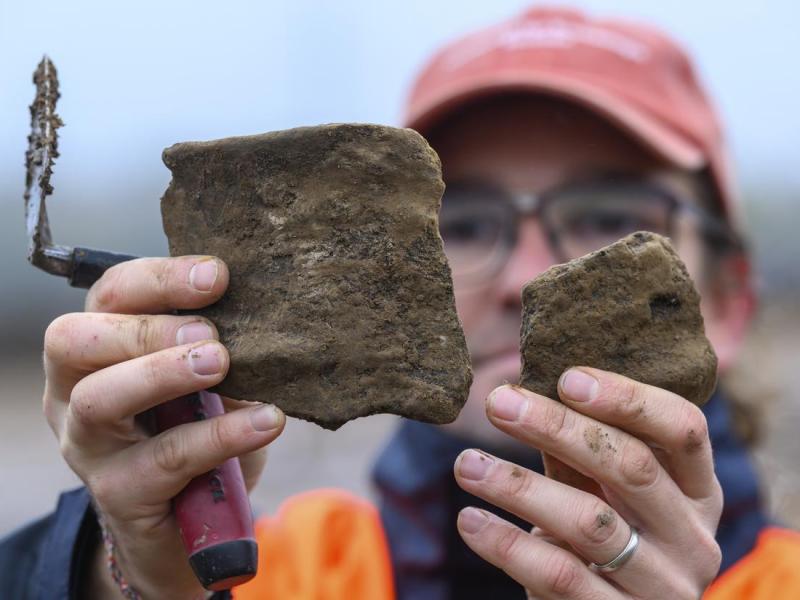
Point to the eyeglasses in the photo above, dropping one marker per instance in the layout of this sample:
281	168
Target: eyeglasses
479	222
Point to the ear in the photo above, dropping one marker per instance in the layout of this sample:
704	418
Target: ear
728	306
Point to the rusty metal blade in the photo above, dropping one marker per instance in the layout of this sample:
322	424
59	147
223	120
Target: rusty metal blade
39	158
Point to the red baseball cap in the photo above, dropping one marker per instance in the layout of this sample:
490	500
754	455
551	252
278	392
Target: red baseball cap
631	74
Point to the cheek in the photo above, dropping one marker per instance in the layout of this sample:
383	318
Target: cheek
690	249
719	333
472	306
715	318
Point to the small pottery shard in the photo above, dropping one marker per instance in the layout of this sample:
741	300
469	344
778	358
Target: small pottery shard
630	308
340	302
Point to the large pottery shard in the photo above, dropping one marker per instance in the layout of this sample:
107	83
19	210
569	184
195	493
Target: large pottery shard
340	302
630	308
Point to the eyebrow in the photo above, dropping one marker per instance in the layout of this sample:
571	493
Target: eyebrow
479	182
592	174
577	177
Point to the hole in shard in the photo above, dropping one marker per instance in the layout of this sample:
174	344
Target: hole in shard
664	306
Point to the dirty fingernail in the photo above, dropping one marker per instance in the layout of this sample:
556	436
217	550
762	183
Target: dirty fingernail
472	520
474	465
196	331
205	359
579	386
265	418
203	275
506	403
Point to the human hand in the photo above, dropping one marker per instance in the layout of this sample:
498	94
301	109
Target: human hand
618	454
106	367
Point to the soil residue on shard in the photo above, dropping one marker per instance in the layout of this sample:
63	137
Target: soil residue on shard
340	302
630	308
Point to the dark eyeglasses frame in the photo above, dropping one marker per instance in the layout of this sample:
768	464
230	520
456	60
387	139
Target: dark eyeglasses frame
713	229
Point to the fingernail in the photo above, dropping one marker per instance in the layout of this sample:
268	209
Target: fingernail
579	386
205	359
474	465
472	520
197	331
506	403
203	275
265	418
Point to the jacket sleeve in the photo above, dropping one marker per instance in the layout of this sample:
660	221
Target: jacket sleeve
45	559
48	559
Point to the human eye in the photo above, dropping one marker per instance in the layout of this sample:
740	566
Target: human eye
610	222
610	213
467	229
472	215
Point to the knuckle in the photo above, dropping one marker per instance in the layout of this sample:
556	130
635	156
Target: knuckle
557	422
685	589
169	452
49	408
694	430
154	372
713	560
59	337
168	278
706	556
104	295
144	333
508	543
716	498
597	523
630	398
562	576
68	451
83	404
639	467
219	435
516	482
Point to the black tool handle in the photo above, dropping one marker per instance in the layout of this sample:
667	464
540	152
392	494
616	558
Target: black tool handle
89	265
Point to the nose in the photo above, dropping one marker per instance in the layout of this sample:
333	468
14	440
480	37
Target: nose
530	257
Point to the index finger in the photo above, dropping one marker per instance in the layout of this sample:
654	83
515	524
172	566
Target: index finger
657	416
157	285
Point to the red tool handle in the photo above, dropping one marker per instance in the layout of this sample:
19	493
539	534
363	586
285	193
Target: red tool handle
213	511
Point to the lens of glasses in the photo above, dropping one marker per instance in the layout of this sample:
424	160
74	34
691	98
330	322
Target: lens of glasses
477	224
588	217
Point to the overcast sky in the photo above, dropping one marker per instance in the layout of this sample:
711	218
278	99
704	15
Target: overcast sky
137	77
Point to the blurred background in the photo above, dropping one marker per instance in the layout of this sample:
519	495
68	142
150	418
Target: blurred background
138	77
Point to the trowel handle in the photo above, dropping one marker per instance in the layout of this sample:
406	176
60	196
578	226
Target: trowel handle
213	511
89	265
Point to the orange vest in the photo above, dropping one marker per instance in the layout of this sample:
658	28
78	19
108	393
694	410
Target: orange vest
771	571
330	545
322	545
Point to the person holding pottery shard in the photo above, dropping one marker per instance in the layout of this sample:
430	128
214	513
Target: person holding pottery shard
558	133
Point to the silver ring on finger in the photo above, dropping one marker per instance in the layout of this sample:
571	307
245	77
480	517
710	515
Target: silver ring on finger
621	558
